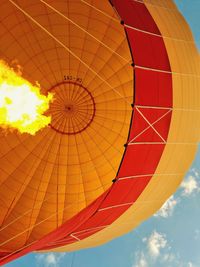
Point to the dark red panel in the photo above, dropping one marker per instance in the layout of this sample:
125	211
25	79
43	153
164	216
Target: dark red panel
148	50
135	14
131	188
141	131
62	242
104	217
152	114
138	125
162	126
3	254
141	159
150	135
153	88
87	234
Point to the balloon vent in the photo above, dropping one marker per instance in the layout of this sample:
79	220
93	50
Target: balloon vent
73	108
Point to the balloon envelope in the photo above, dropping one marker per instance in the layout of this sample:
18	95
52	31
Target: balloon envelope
125	120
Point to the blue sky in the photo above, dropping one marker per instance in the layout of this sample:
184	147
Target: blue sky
169	239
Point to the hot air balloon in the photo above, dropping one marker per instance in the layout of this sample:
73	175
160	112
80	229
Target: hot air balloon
125	120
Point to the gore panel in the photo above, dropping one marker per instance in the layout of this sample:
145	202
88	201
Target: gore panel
135	14
153	88
148	50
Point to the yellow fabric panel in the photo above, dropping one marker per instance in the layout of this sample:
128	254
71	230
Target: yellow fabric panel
180	51
184	130
187	93
167	4
188	122
170	17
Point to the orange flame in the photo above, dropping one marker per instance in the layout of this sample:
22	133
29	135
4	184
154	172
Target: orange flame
22	106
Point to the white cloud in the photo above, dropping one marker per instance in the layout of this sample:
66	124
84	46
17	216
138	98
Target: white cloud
141	260
195	172
156	242
157	251
168	257
190	185
168	208
49	259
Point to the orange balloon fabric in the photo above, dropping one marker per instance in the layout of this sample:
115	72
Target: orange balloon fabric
119	142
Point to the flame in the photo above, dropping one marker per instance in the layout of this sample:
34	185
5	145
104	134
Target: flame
22	106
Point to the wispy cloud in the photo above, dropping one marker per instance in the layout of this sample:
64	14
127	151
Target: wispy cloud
168	257
49	259
157	251
141	260
156	243
168	208
190	185
190	264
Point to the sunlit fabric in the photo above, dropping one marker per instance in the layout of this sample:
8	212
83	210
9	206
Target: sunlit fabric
125	120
